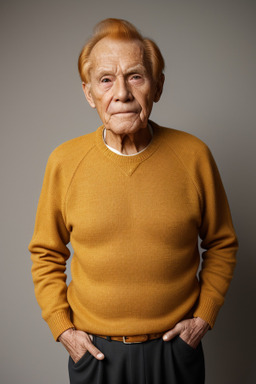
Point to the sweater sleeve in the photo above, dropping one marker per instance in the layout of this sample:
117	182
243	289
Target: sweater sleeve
219	240
49	252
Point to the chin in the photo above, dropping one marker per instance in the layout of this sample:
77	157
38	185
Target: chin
125	127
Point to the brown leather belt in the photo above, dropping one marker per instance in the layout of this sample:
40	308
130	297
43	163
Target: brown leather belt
133	339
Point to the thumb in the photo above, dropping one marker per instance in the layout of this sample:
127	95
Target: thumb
169	335
95	351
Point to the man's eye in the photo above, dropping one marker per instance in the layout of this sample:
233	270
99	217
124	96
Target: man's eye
136	77
105	80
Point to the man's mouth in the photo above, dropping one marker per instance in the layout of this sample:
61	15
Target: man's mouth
125	113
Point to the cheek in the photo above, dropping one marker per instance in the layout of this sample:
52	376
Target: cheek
102	106
146	104
145	98
105	104
101	98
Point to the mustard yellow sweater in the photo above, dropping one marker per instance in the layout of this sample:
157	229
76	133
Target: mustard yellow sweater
133	222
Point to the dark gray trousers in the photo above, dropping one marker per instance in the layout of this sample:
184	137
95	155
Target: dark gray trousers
151	362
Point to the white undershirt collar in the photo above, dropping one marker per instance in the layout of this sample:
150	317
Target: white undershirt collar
123	154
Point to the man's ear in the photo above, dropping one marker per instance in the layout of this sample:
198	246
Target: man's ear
87	92
159	88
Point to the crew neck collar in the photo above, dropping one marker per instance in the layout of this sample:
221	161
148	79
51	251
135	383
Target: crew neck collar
142	155
123	154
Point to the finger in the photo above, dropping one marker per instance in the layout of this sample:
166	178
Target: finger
95	351
169	335
191	342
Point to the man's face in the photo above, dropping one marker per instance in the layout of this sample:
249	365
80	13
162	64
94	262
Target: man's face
121	87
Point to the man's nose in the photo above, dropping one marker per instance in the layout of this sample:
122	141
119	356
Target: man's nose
122	91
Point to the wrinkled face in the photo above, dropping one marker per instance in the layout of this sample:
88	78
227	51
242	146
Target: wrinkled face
121	87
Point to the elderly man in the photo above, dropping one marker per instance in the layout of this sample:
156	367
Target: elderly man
132	198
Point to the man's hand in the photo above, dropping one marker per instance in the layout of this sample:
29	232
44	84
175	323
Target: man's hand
191	331
77	343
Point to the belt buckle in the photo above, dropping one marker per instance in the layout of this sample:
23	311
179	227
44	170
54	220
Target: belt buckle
131	342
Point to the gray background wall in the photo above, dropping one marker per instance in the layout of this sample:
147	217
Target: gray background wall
209	47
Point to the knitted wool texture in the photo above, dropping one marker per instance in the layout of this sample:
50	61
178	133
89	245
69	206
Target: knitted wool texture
133	222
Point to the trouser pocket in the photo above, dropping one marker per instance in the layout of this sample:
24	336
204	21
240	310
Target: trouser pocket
189	362
83	370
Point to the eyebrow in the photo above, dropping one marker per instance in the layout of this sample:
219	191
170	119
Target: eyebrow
108	71
137	68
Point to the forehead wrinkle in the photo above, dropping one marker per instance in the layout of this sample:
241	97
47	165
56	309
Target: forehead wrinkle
134	57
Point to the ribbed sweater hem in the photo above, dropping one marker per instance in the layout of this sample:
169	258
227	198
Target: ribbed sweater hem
207	310
59	322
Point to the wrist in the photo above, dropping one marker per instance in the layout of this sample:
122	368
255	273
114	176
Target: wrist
202	324
66	334
202	321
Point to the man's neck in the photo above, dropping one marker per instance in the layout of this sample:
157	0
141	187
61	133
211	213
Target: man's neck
129	144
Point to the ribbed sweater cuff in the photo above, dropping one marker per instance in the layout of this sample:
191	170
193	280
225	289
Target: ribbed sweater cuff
59	322
207	309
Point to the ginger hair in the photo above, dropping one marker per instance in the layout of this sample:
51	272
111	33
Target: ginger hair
122	30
